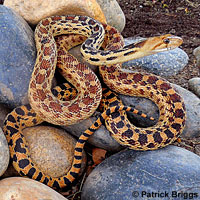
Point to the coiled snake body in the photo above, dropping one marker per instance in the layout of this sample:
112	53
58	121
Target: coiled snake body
46	107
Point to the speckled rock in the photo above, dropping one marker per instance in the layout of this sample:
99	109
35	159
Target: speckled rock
17	57
4	153
52	149
18	188
113	13
35	10
131	175
192	103
164	63
196	53
194	85
101	138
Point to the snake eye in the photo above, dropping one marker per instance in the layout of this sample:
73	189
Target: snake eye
166	41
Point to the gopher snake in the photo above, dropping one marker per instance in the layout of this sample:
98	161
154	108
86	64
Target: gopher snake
150	86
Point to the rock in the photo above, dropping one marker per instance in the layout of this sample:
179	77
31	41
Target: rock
101	138
35	10
4	153
164	63
17	58
75	51
196	53
192	104
194	85
130	174
18	188
51	149
113	13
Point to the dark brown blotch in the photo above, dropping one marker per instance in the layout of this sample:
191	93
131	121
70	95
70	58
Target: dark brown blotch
128	133
137	77
142	139
165	86
157	137
152	79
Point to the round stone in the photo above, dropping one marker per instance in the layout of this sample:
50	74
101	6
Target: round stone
101	138
35	10
135	175
51	149
196	53
17	57
113	13
4	153
194	85
18	188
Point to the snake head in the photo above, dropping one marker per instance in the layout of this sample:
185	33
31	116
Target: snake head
159	44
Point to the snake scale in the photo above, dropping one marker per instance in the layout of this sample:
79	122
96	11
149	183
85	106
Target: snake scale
46	107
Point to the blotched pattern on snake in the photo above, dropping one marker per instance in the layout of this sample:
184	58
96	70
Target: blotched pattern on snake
171	106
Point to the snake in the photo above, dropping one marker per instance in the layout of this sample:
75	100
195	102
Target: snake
171	106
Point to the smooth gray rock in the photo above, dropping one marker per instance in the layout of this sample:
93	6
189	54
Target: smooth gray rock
164	63
192	104
4	153
113	13
17	57
196	53
130	174
101	138
194	85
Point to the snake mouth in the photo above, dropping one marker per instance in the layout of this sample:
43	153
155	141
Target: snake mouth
162	50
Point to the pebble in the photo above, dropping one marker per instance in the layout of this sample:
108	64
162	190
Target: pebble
196	53
194	85
132	174
113	13
4	153
163	64
17	57
18	188
51	149
35	10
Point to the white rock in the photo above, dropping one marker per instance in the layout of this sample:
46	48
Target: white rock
18	188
